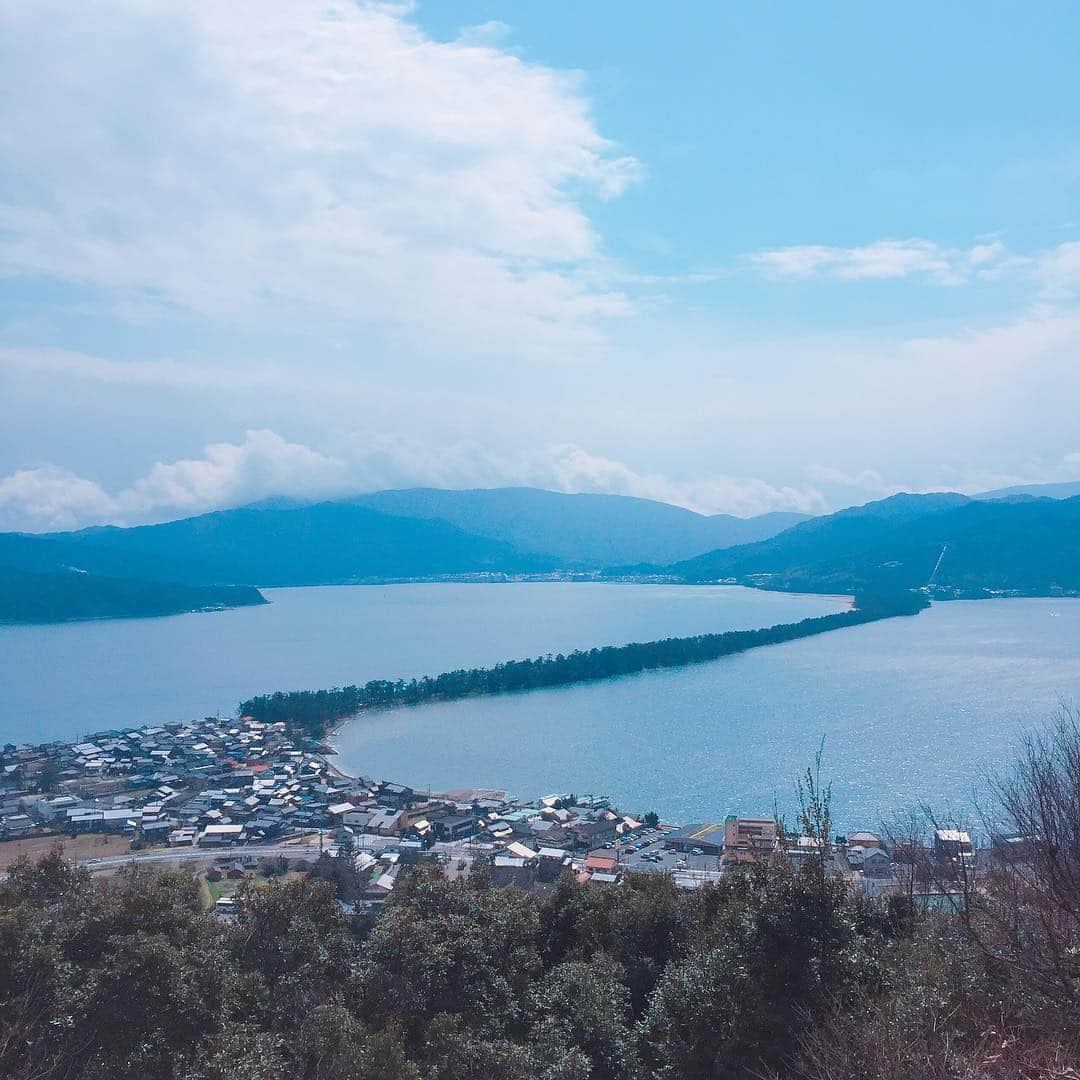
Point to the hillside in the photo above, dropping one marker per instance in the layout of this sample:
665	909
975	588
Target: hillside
326	543
59	596
584	531
1027	548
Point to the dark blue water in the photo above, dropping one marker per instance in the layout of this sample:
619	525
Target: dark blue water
911	709
67	680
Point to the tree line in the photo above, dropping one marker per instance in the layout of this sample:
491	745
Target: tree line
312	712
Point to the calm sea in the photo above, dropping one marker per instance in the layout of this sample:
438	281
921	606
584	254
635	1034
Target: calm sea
910	709
67	680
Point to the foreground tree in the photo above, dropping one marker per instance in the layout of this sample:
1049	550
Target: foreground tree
1034	900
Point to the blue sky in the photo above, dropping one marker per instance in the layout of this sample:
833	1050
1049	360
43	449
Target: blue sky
741	257
772	125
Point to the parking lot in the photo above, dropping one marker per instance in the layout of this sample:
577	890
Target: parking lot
645	851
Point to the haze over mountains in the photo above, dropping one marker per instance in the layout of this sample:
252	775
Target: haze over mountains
585	531
1064	490
962	546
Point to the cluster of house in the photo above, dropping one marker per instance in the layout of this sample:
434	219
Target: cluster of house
211	782
223	782
741	840
861	857
226	782
532	845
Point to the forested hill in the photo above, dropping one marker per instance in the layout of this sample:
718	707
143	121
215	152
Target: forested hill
1030	547
587	531
61	595
326	543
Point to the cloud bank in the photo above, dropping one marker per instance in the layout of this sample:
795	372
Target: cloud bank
48	498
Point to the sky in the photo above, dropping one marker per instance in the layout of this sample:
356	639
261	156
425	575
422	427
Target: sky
737	257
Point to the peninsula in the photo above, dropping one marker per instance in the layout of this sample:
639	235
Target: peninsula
313	712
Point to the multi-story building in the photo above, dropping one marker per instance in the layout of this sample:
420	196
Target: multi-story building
746	839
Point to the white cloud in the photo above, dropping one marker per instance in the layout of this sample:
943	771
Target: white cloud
245	160
264	464
491	34
569	468
1055	272
49	498
728	429
1059	271
884	259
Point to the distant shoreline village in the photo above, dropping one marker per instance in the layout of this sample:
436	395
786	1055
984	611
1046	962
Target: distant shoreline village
242	790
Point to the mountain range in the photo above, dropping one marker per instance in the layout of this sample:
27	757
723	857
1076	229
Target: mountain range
955	545
418	533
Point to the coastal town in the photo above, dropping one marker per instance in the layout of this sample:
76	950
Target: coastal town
233	798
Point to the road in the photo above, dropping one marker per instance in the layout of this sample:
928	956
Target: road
306	848
194	854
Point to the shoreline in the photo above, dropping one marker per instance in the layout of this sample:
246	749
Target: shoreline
312	713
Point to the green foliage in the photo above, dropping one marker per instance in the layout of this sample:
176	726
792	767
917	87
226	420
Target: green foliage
775	943
585	1005
450	948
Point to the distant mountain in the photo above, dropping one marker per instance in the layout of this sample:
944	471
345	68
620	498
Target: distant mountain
61	595
327	543
583	531
1026	547
418	533
1035	491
